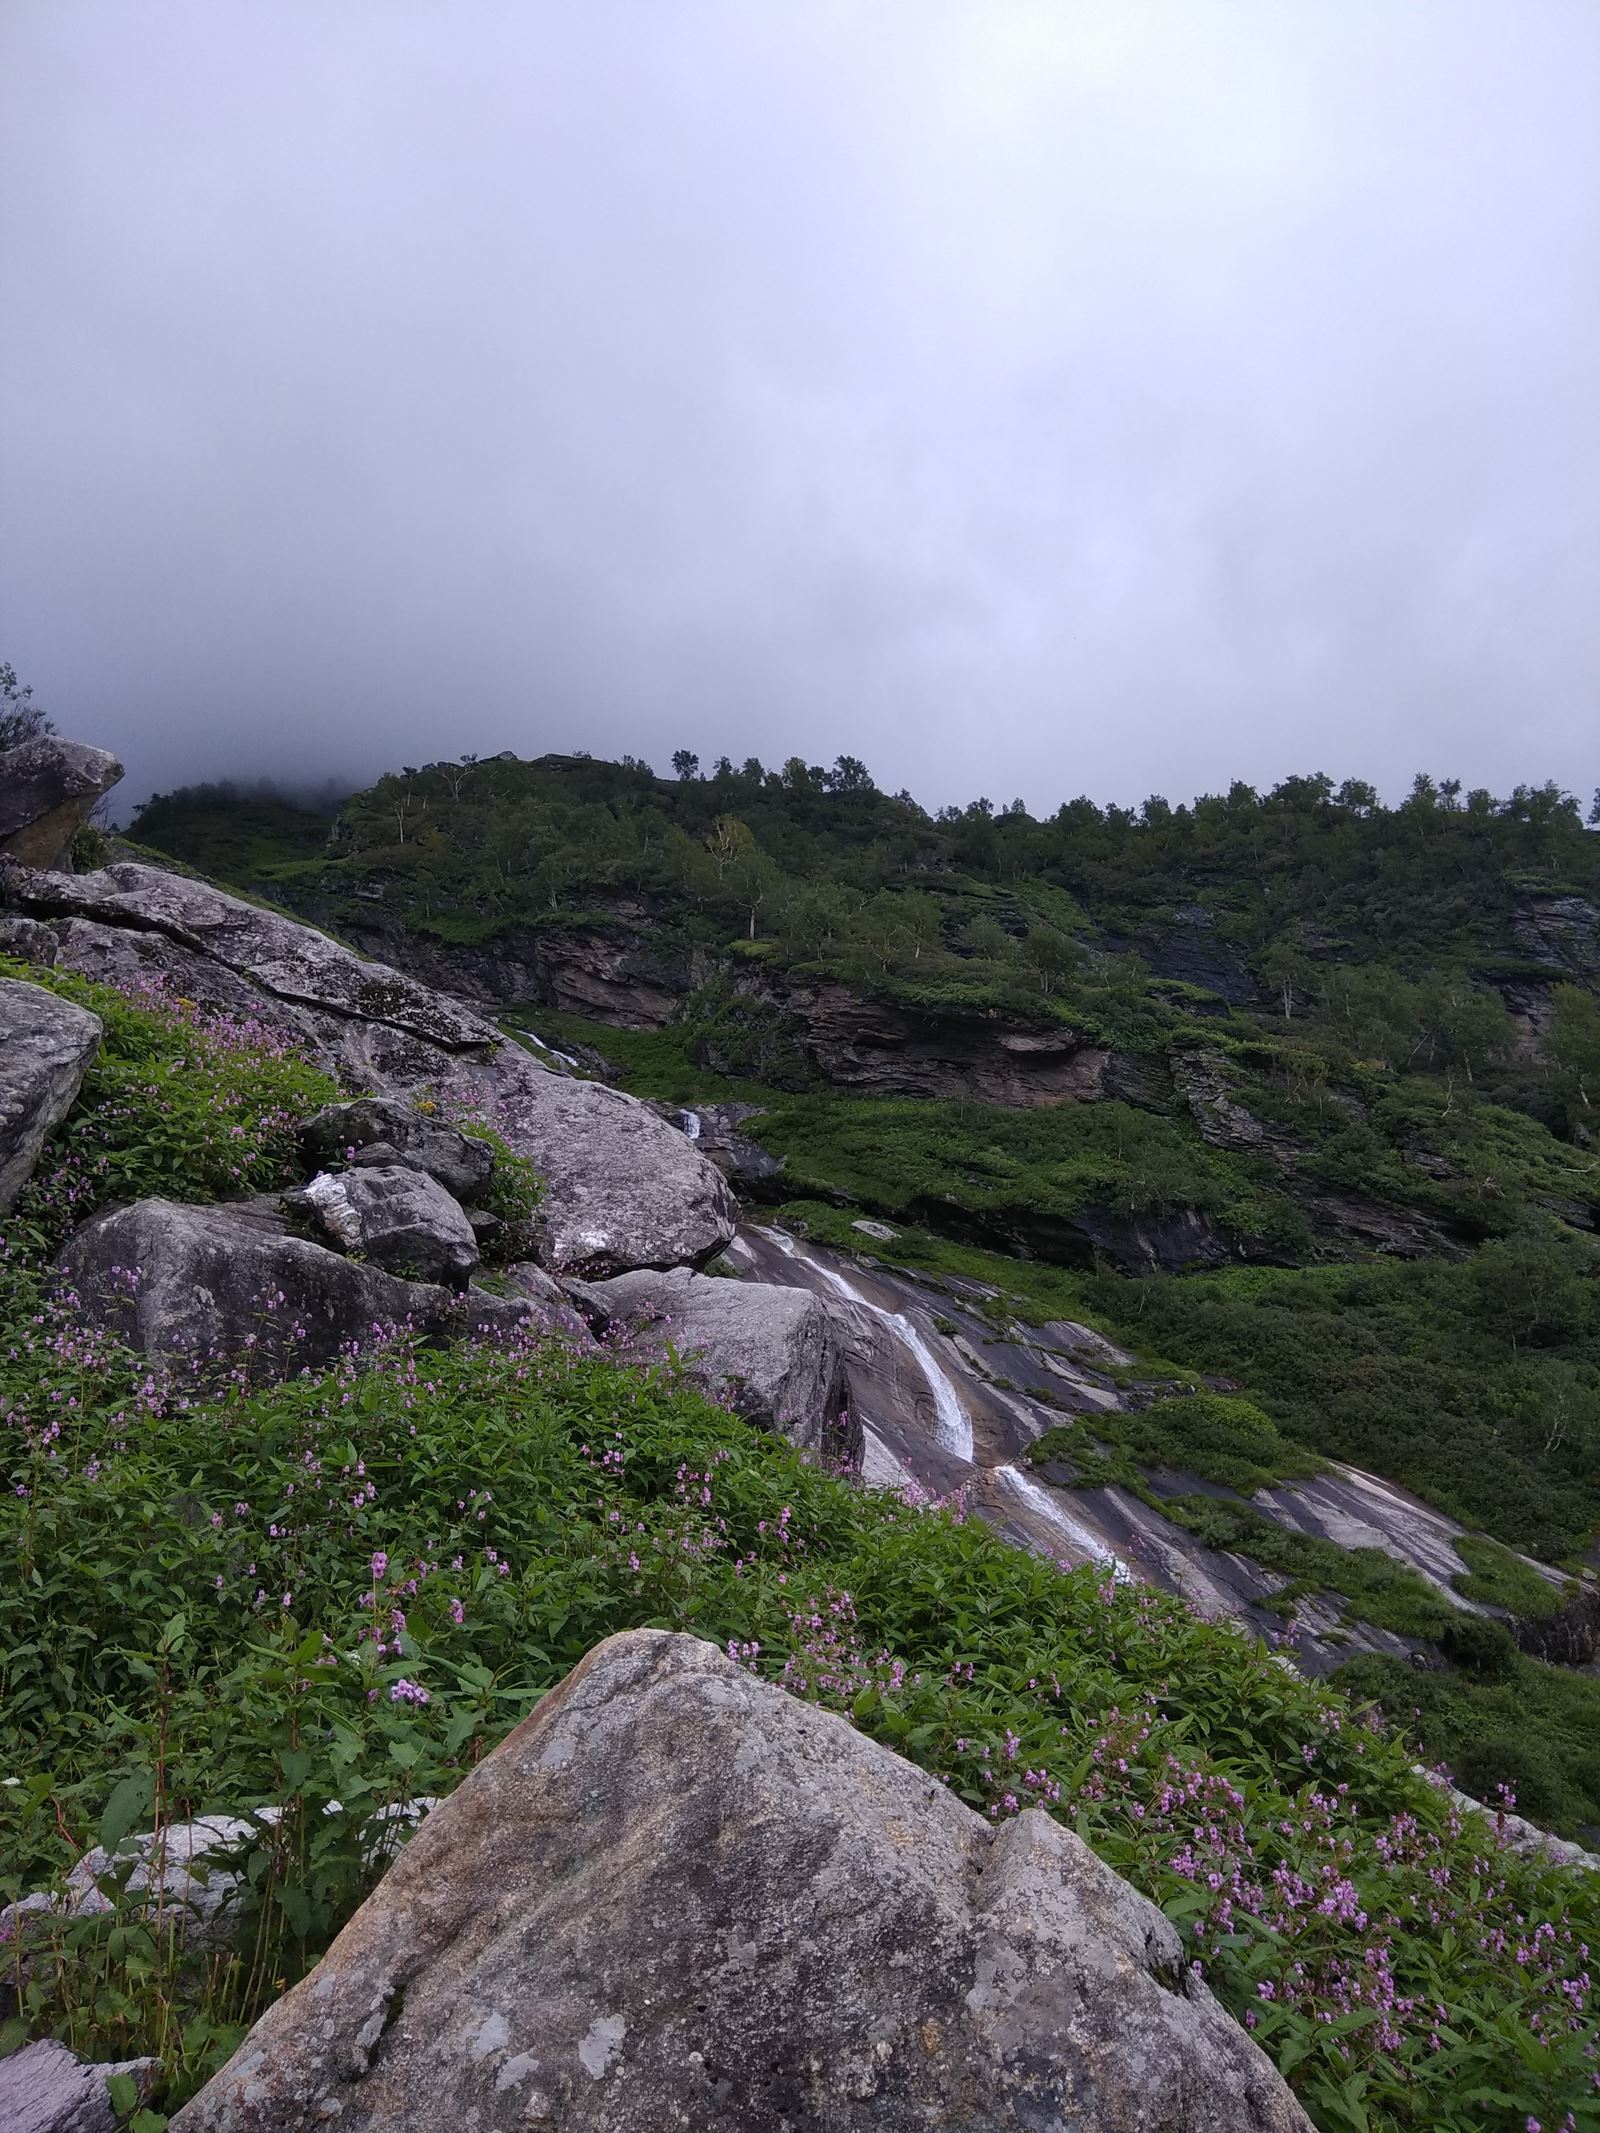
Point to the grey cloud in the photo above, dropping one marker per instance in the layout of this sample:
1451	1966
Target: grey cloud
1029	396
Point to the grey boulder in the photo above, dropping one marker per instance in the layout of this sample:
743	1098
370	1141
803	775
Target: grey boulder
185	1873
48	791
775	1356
349	1132
396	1218
44	2088
46	1043
215	1284
677	1897
622	1188
282	958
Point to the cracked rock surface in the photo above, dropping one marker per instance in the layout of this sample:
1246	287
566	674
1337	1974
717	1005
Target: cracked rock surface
677	1897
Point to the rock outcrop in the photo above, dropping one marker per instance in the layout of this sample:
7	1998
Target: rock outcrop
622	1189
48	791
400	1219
214	1284
774	1355
676	1897
46	1043
886	1049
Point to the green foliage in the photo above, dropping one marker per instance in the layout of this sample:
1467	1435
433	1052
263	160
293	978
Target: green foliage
1475	1382
1013	1175
1530	1727
1495	1577
21	719
513	1194
1219	1437
234	833
178	1102
740	1038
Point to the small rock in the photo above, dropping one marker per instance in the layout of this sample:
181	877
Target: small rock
880	1230
28	939
775	1356
44	2088
201	1282
386	1129
397	1218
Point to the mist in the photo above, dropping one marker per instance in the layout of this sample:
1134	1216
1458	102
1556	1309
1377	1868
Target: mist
1029	399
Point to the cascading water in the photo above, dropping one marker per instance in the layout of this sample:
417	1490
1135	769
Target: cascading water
952	1423
1043	1504
691	1124
565	1058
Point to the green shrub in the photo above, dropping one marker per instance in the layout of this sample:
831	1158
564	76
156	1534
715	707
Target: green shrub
178	1102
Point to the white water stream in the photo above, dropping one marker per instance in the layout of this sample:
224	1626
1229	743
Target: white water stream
691	1124
1043	1504
952	1423
566	1058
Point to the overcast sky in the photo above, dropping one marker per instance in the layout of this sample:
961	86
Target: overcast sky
1028	396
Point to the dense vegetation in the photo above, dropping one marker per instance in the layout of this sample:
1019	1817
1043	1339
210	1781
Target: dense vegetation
1359	1045
346	1587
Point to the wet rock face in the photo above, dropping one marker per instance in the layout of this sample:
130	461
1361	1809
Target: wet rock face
395	1217
607	974
346	1132
774	1355
48	790
1168	1240
676	1897
46	1044
203	1282
1188	951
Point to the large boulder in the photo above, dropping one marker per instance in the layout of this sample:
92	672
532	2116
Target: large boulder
774	1355
397	1218
212	1284
45	1045
354	1132
622	1188
44	2088
48	791
677	1897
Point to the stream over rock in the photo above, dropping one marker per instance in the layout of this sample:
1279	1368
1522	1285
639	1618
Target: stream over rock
952	1412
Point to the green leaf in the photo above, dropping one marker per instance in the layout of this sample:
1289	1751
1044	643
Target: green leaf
129	1803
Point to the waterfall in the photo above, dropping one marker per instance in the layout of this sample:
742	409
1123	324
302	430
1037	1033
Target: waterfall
566	1058
1043	1504
952	1423
691	1124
